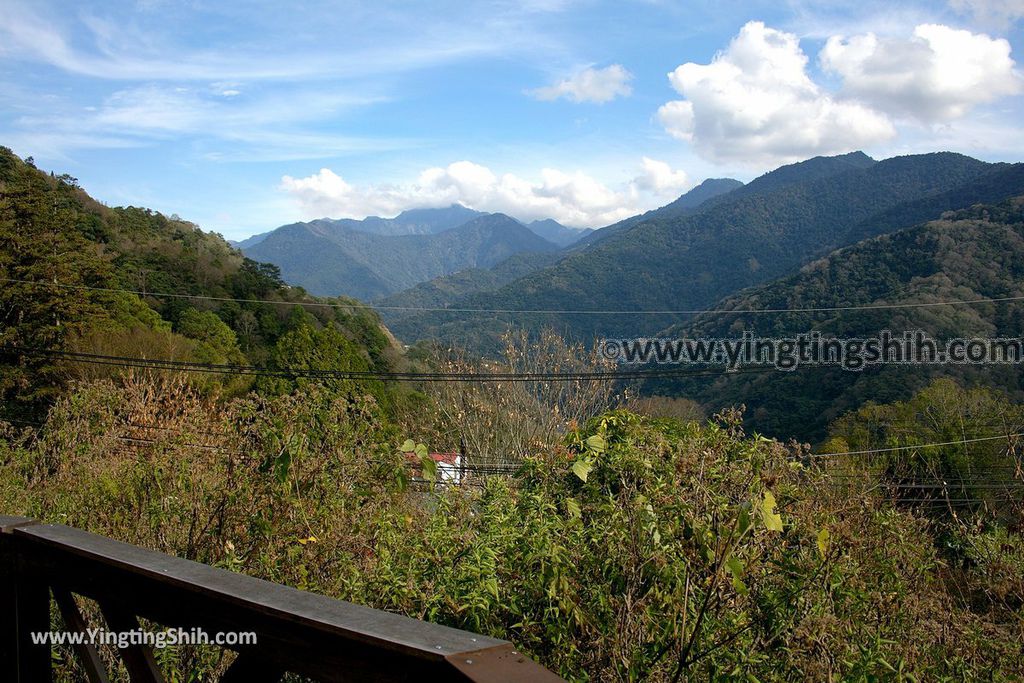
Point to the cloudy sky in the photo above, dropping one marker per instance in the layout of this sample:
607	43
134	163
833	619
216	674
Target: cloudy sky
244	115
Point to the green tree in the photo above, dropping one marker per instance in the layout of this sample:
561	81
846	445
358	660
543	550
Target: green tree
309	348
41	243
975	428
215	337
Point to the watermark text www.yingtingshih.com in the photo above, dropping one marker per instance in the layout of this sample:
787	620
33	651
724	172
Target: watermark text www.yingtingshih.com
157	639
812	348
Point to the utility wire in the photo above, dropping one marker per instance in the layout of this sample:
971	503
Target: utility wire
538	311
314	373
923	445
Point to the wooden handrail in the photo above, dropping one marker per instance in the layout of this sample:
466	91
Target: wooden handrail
297	631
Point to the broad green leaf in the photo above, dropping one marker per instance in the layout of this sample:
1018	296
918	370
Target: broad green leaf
735	567
421	450
596	443
772	519
743	523
282	464
408	446
823	542
573	508
581	468
429	468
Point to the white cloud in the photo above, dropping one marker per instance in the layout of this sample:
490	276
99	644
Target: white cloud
574	199
755	104
937	75
998	14
161	40
225	127
590	85
659	178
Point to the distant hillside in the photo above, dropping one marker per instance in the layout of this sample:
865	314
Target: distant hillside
811	170
412	222
441	291
329	258
746	237
975	253
707	190
555	232
51	231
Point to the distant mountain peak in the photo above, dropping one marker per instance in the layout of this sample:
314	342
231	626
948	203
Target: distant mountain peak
450	213
555	232
708	189
368	259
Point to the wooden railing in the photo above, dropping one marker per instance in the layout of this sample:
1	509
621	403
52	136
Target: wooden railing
296	631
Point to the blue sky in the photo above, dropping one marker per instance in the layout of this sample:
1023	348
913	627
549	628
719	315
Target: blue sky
242	116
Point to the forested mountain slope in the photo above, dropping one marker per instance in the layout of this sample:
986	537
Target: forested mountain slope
749	236
688	202
442	290
328	258
66	262
975	253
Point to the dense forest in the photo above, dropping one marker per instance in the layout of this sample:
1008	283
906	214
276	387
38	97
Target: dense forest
675	260
82	277
332	257
967	255
610	537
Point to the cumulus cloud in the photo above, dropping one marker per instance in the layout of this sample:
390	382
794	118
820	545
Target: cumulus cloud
936	76
996	13
659	178
590	85
755	104
574	199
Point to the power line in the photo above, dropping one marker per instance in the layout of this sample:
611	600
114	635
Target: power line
538	311
924	445
985	475
1013	485
315	373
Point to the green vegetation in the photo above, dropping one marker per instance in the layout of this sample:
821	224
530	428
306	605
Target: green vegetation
975	253
611	543
332	257
440	291
66	259
630	548
746	237
978	462
687	203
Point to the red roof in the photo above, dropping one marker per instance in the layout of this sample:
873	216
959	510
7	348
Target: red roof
447	458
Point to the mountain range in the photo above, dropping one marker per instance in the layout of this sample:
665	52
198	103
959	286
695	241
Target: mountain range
376	256
966	255
330	258
682	258
707	190
457	286
866	245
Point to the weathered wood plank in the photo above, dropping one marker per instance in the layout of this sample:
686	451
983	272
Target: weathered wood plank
74	622
138	659
24	608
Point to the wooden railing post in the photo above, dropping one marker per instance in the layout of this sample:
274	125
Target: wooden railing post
24	609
